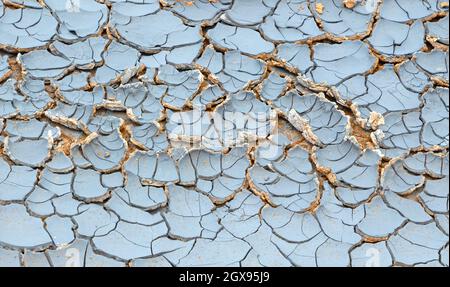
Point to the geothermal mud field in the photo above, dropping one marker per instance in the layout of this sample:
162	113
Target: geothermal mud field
224	133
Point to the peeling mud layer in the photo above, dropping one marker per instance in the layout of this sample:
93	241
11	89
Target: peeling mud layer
224	133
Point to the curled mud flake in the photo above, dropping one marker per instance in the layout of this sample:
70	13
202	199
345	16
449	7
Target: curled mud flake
302	254
340	251
289	181
150	109
412	77
78	19
55	183
185	55
291	21
78	80
318	119
71	115
240	120
200	10
245	40
299	238
180	57
243	119
194	128
152	63
417	243
26	28
39	202
20	230
72	255
442	222
105	152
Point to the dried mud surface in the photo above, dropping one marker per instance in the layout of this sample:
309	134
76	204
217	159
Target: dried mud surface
224	133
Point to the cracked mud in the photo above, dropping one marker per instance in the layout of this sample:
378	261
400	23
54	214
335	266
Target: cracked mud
224	133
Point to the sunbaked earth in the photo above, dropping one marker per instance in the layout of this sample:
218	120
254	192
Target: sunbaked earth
224	133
